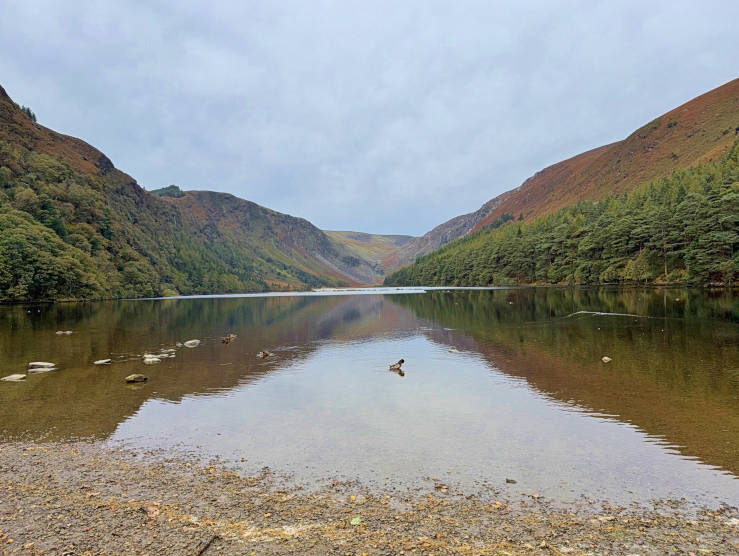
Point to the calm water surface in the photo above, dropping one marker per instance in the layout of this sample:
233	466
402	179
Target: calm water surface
522	394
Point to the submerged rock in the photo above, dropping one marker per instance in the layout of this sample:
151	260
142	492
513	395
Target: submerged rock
191	343
103	362
40	365
137	378
14	378
38	370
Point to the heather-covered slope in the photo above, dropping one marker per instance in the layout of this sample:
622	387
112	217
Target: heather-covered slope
700	130
72	226
696	132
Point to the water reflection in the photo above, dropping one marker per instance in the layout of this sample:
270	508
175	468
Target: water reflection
496	383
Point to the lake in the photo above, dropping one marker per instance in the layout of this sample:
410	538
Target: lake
499	384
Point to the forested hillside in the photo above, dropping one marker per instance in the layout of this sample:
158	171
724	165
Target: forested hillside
677	229
72	226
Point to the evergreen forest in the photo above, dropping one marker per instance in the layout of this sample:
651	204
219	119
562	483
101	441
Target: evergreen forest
679	229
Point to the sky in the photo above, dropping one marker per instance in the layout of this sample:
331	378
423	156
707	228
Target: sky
374	116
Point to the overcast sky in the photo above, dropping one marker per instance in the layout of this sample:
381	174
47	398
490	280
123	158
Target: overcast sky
387	117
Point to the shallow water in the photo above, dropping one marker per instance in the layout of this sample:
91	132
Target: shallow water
523	394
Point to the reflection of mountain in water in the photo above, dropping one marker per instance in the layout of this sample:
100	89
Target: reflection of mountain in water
81	400
673	376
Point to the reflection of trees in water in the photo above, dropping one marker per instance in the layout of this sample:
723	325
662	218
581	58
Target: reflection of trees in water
672	375
84	400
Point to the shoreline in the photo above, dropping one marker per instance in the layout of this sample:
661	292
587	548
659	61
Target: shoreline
84	497
362	290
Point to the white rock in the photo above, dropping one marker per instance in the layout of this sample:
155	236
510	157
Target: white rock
151	360
103	362
192	343
13	378
606	359
40	364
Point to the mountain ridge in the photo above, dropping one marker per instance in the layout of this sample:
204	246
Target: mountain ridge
76	227
708	122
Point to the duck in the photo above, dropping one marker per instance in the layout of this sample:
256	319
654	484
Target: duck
227	338
397	366
263	354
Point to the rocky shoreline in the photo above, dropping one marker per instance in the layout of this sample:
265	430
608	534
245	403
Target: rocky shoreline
87	498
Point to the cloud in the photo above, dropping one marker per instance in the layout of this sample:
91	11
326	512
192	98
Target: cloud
375	116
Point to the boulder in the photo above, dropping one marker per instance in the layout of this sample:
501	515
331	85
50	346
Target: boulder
13	378
137	378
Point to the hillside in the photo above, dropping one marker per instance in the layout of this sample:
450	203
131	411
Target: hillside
381	250
698	131
683	228
75	227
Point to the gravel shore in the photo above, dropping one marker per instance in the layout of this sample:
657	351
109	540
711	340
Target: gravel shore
86	498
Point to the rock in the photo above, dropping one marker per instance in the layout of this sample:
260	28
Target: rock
63	332
606	359
103	362
151	360
263	354
453	350
13	378
191	343
40	364
137	378
511	481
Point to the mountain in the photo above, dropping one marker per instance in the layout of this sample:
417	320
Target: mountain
75	227
698	131
380	249
683	228
439	236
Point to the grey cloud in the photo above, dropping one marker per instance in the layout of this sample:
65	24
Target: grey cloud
375	116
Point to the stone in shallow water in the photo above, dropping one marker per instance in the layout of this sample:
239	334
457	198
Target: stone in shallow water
14	378
103	362
137	378
38	370
151	360
40	364
192	343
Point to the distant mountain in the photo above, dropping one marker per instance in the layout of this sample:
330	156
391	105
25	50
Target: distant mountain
380	250
700	130
73	226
